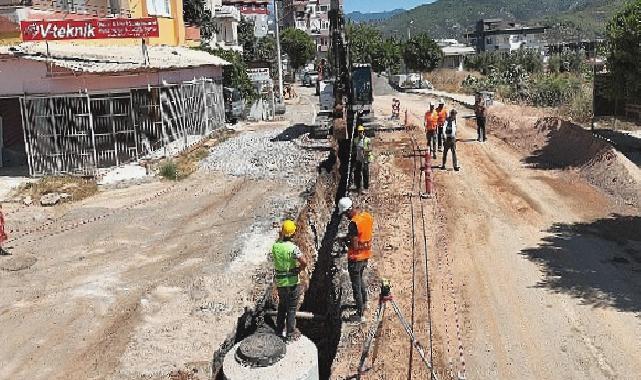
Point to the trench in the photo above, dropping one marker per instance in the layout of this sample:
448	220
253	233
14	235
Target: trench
318	226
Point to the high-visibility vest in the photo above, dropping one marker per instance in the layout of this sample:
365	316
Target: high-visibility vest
285	264
367	142
3	235
442	116
364	225
430	120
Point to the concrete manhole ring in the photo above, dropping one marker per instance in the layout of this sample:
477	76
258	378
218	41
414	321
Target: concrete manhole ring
261	350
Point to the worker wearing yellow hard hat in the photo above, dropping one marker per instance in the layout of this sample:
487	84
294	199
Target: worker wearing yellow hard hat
362	156
288	262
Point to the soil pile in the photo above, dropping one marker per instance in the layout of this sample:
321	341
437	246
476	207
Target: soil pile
553	143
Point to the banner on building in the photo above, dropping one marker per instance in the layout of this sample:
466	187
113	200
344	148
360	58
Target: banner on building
89	29
258	74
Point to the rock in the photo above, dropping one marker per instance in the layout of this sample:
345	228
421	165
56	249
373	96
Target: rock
65	196
50	199
69	186
28	200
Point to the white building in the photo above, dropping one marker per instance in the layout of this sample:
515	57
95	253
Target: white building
226	19
499	35
311	16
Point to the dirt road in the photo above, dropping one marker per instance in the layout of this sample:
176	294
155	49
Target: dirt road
158	281
534	273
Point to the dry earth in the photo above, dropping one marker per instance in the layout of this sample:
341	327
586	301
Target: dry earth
535	270
148	280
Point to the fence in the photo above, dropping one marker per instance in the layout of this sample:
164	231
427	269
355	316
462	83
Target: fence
79	133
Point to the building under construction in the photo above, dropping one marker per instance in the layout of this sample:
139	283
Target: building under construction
69	109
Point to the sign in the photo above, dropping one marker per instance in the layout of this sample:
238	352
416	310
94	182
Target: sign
89	29
259	74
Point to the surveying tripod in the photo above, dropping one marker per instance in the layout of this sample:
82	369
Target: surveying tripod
375	332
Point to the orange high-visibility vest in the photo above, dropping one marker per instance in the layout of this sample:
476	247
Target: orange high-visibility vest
442	116
430	120
364	224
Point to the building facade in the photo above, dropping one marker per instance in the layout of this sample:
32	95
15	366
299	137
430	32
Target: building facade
504	36
254	10
454	53
312	17
91	84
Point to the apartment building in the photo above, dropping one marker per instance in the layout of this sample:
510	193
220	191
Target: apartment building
505	36
255	10
311	16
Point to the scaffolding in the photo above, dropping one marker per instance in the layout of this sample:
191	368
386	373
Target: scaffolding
78	134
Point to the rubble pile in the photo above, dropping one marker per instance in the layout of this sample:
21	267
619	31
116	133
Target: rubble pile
266	155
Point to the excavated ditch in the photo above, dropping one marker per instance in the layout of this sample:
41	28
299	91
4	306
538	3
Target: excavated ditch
318	225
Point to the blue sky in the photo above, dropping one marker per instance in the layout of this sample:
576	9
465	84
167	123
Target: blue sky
380	5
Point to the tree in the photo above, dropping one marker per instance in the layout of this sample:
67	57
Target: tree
624	40
247	38
299	47
196	13
265	49
364	42
421	53
387	57
235	75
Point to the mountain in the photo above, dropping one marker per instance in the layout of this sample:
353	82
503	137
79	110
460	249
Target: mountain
452	18
357	16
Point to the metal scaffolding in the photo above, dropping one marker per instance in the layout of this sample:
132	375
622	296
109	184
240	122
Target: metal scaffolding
80	133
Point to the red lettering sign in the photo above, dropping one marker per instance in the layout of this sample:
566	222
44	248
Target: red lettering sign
89	29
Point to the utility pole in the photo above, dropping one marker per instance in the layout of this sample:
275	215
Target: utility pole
409	34
280	63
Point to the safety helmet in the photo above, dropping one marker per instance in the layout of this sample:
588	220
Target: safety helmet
431	104
361	128
441	102
289	228
344	204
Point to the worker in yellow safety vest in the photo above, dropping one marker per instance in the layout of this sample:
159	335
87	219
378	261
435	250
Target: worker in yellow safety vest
288	262
359	242
362	156
442	115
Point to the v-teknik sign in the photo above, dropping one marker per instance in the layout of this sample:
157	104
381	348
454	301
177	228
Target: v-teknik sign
89	29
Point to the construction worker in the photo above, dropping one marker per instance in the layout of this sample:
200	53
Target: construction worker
396	109
442	114
288	262
359	243
362	150
480	111
430	129
450	139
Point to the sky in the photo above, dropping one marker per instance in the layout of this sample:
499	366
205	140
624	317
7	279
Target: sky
365	6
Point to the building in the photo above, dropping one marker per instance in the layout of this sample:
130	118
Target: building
454	53
91	84
311	16
504	36
226	20
254	10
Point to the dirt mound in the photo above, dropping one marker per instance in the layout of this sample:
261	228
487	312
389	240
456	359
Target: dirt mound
553	143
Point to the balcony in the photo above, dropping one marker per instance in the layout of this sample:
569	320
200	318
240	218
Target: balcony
228	12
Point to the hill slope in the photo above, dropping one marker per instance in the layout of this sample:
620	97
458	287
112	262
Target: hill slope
452	18
357	16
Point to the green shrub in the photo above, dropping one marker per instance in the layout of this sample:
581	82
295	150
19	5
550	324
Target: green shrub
168	170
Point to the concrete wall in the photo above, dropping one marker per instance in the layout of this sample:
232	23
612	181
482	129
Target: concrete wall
20	76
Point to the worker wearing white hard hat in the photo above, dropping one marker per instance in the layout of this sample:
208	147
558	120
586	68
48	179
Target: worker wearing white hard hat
359	241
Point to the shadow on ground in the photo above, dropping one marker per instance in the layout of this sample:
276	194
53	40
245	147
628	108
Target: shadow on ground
567	146
598	262
291	133
627	144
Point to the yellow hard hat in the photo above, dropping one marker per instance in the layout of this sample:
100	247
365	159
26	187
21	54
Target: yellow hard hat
289	227
360	128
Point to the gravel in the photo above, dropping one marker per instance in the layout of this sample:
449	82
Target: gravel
266	155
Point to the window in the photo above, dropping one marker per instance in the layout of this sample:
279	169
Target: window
158	8
324	8
325	25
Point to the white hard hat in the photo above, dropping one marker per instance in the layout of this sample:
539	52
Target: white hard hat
344	204
441	101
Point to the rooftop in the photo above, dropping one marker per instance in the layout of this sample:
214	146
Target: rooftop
458	50
101	59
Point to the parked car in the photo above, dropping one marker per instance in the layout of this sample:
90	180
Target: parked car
310	78
234	105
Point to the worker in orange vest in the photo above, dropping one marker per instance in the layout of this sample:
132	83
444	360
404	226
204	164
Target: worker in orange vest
430	129
3	235
442	115
359	241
